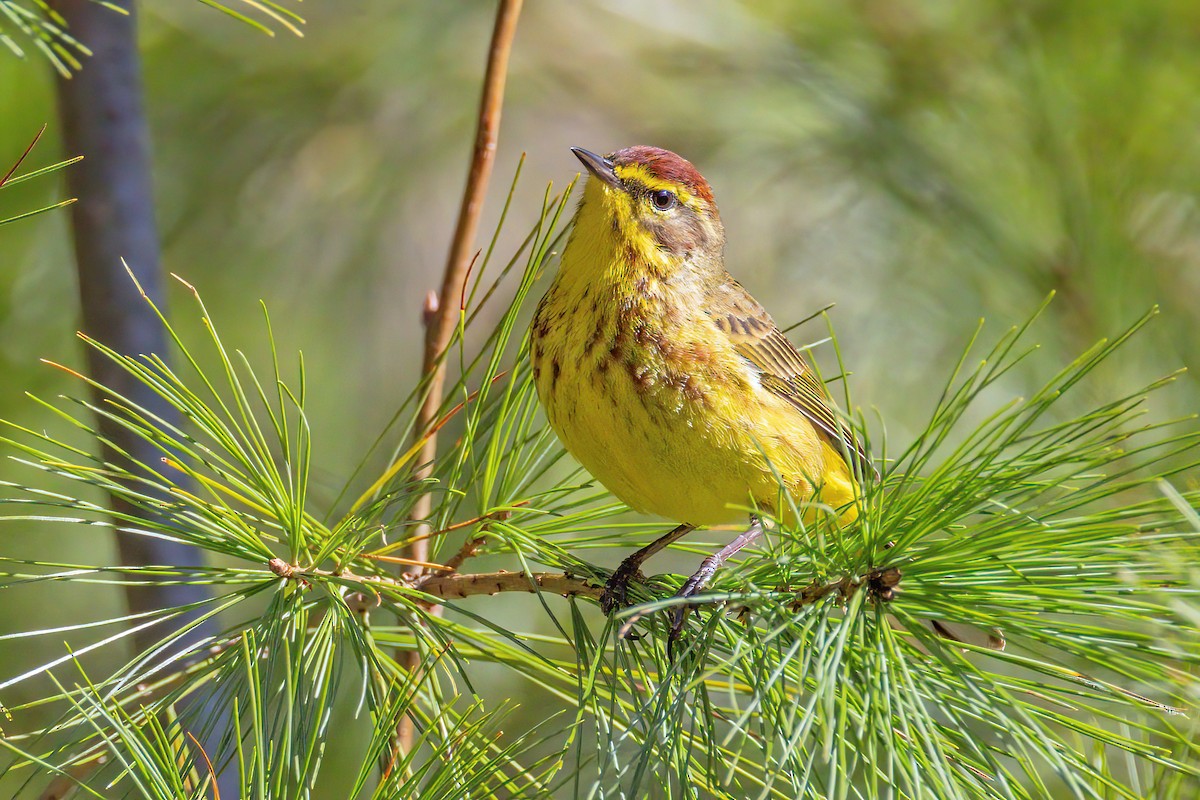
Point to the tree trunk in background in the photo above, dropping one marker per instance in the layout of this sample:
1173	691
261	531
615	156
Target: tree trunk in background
102	120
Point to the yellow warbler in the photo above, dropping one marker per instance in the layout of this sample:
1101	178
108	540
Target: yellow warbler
666	380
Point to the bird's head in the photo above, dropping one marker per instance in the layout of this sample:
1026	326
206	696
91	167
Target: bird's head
654	201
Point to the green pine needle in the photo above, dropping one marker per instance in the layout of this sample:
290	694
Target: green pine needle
821	665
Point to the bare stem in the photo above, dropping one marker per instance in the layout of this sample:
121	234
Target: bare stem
456	586
442	318
451	587
881	583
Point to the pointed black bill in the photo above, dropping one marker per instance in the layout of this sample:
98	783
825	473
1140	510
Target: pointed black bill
599	166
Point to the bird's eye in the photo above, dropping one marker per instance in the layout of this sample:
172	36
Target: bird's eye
663	200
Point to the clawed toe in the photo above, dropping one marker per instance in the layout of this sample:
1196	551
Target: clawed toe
616	590
678	618
614	597
679	615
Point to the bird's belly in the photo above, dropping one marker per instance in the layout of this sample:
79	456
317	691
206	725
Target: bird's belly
687	452
657	464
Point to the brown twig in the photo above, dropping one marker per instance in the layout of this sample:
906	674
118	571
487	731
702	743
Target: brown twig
469	548
880	583
452	587
439	329
501	514
460	585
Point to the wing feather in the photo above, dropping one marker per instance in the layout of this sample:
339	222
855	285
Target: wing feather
783	368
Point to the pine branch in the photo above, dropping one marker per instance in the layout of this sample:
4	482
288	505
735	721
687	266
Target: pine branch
816	673
455	586
46	26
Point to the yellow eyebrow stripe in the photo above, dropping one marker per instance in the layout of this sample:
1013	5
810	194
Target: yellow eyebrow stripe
639	174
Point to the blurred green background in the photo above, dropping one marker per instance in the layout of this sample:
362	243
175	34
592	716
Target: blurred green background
920	163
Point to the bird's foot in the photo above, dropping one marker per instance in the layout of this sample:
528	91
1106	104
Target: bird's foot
697	582
692	586
616	590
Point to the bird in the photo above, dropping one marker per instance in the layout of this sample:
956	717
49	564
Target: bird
665	379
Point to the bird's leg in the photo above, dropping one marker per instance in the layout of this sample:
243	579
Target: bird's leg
707	567
615	591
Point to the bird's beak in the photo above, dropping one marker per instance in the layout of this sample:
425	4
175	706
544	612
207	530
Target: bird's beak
599	166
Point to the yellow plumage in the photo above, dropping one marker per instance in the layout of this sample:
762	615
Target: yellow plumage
666	380
644	382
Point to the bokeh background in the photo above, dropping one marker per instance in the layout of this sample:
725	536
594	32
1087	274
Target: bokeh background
920	163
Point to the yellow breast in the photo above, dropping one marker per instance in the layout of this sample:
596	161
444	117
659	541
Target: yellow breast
648	395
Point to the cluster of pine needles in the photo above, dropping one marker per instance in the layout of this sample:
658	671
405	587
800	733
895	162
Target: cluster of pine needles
820	665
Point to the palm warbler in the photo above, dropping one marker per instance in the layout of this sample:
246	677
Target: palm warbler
666	379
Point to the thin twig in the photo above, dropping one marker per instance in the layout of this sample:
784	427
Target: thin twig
453	587
460	585
442	320
881	583
500	514
470	547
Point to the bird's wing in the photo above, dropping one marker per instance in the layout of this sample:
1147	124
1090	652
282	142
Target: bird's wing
783	369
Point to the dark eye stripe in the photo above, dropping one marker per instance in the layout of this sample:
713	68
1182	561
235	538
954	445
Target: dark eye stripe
640	191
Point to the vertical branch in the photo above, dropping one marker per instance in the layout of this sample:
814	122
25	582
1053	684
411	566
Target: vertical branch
103	120
441	321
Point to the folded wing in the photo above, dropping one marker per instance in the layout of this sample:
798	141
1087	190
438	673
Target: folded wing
783	369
